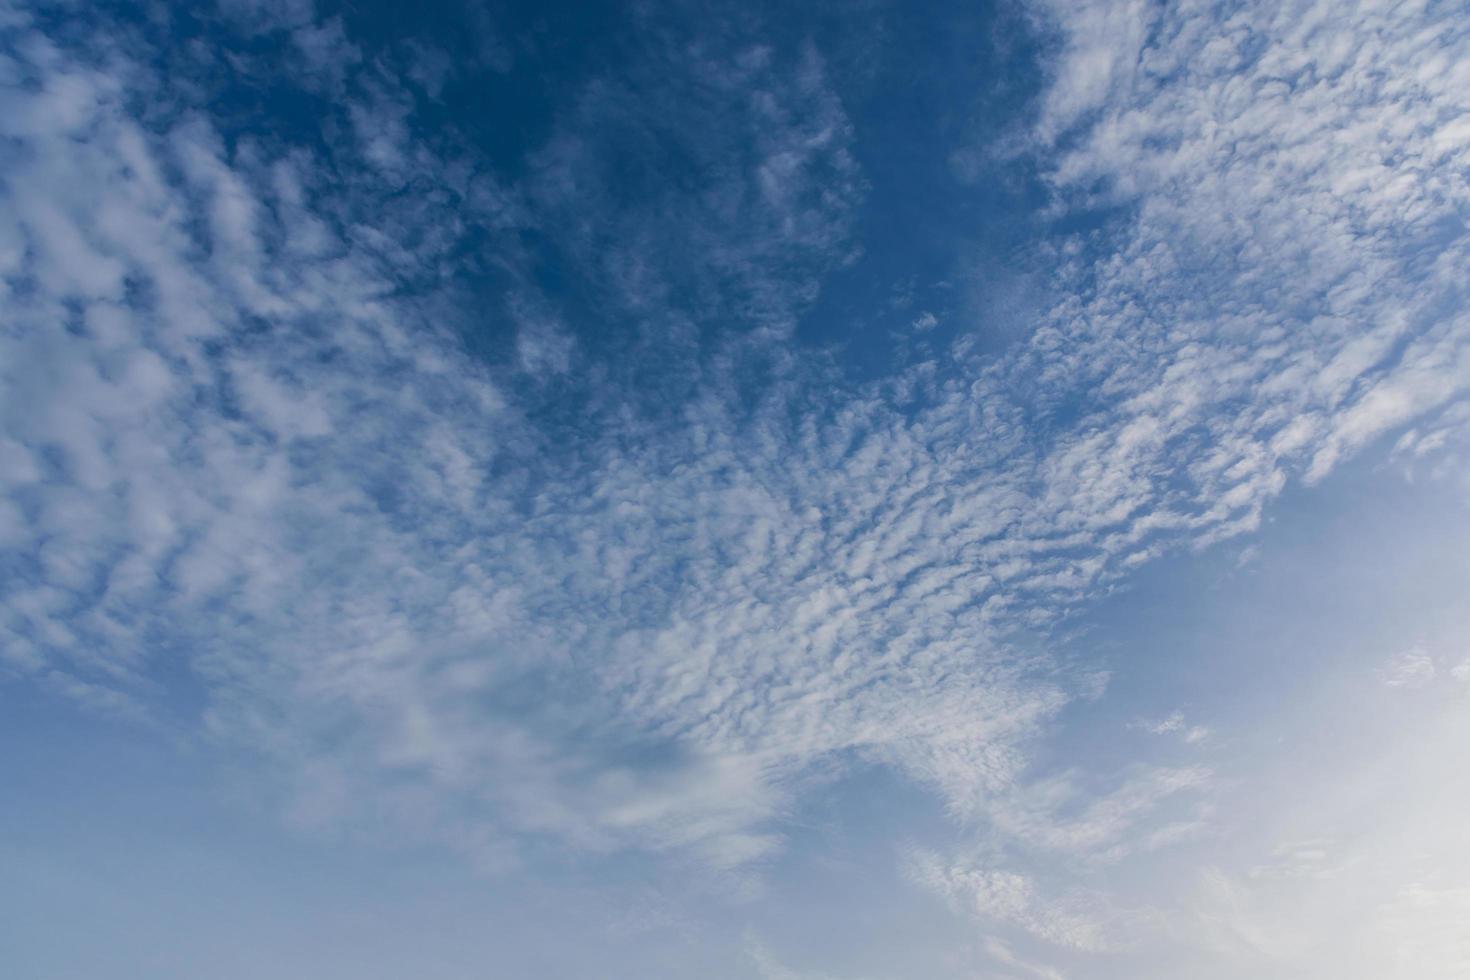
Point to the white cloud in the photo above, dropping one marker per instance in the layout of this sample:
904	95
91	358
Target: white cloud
247	448
1002	953
1410	669
1007	897
1173	724
1461	671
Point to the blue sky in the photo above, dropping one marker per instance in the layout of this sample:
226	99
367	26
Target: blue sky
875	490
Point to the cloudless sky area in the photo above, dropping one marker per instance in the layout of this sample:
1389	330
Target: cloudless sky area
865	490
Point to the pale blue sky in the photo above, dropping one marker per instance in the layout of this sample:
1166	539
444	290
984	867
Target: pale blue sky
687	490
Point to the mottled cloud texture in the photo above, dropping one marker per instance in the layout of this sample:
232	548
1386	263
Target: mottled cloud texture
644	568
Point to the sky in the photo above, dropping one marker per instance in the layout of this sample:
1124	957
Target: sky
753	491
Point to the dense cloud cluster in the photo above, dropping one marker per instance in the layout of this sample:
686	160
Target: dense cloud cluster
253	484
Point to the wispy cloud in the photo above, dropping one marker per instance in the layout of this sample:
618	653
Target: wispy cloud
255	486
1412	668
1173	724
1077	921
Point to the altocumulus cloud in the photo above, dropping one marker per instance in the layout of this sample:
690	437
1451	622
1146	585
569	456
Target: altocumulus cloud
256	489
